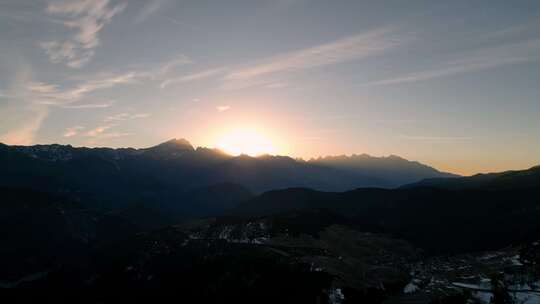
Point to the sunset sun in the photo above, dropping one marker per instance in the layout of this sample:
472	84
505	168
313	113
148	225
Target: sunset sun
249	142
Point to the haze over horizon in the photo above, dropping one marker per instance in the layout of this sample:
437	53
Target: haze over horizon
452	85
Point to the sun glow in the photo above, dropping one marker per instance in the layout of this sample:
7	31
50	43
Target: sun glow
248	142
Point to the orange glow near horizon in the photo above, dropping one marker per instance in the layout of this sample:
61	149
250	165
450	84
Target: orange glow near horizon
245	141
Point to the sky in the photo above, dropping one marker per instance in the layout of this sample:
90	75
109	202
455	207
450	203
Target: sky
453	84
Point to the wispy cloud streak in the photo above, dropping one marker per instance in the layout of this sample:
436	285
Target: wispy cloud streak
100	133
24	134
50	94
126	116
371	43
150	7
355	47
73	131
441	139
87	17
475	61
99	130
89	105
223	108
41	96
194	77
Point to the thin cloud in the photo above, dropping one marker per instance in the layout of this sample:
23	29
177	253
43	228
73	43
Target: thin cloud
73	131
100	140
38	97
180	23
476	61
50	94
530	26
25	133
100	133
193	77
117	117
23	118
441	139
167	67
223	108
103	132
126	116
355	47
99	130
161	70
90	105
244	83
104	83
140	115
88	18
150	7
114	135
71	97
42	88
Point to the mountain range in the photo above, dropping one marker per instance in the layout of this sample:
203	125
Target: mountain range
196	222
166	173
259	174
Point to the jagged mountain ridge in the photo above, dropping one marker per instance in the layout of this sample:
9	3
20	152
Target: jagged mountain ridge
178	160
393	167
152	187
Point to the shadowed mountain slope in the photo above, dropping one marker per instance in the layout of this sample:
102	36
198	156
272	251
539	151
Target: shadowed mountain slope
521	179
438	220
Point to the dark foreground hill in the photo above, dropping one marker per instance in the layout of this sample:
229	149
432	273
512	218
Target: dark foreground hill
501	210
302	256
296	245
440	221
522	179
311	256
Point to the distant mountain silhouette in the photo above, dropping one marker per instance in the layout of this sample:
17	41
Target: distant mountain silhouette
393	169
171	149
177	163
522	179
